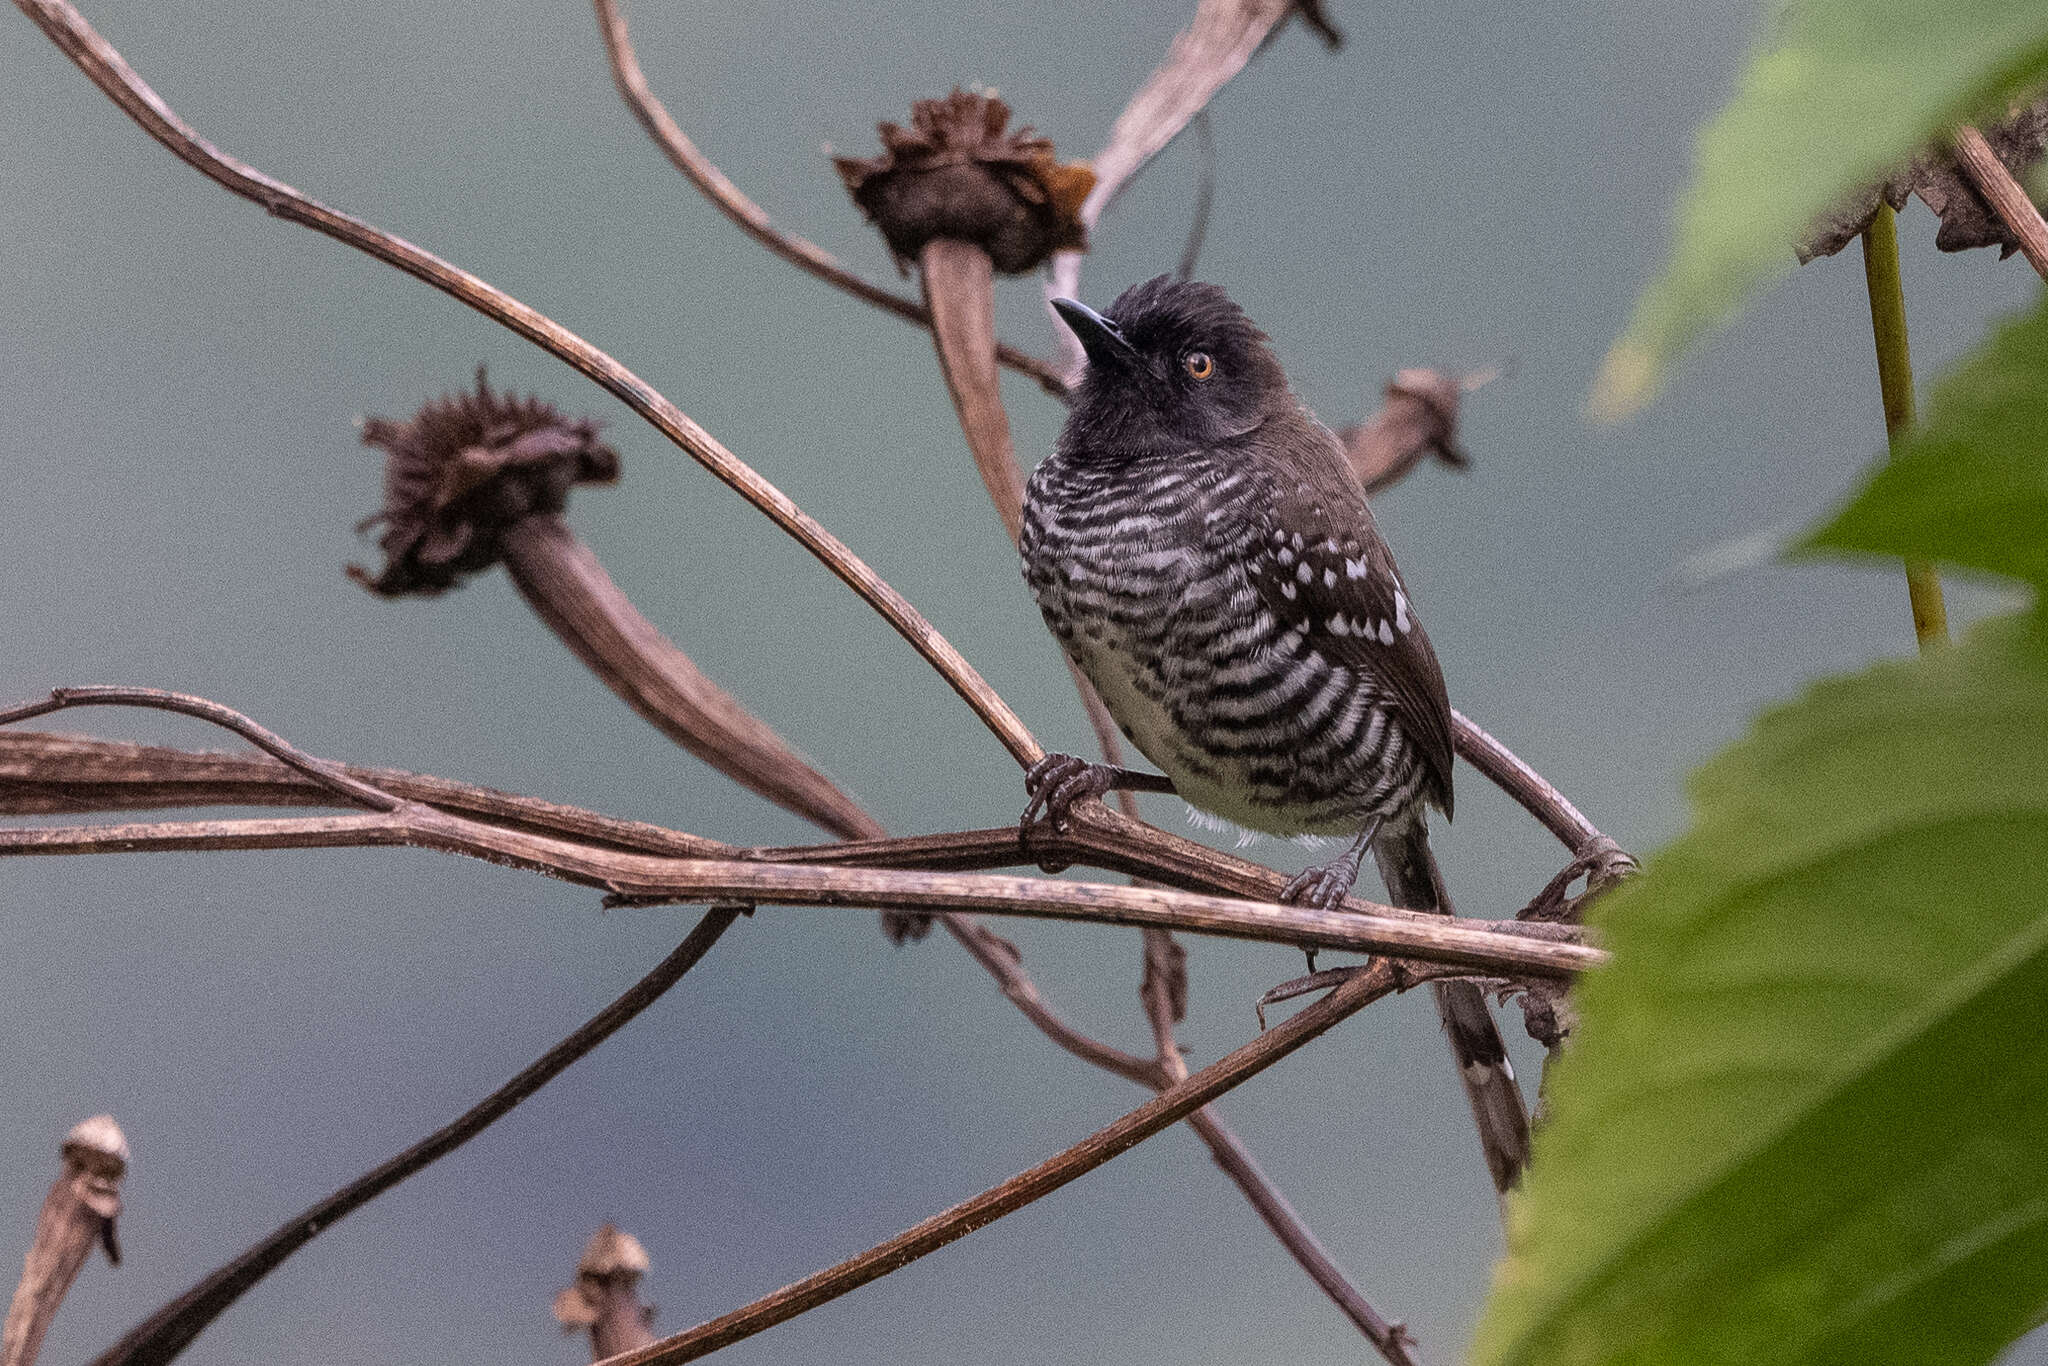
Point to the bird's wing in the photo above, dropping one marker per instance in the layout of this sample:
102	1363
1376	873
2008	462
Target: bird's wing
1321	565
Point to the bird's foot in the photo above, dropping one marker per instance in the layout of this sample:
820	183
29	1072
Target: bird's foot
1056	782
1603	866
1302	986
1322	886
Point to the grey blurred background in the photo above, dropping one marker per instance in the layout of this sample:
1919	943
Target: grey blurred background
1464	182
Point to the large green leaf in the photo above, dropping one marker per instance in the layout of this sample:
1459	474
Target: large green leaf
1841	91
1805	1118
1971	483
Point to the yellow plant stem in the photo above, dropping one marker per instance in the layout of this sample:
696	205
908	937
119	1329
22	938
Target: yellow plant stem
1895	380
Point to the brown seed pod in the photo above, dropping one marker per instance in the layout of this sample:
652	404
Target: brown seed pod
955	173
462	472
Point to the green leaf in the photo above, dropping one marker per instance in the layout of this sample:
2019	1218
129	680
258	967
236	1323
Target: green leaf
1843	91
1970	484
1805	1118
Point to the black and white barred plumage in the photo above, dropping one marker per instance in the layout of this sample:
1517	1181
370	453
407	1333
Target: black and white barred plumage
1201	549
1227	593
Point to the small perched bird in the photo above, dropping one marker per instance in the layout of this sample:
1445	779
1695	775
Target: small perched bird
1202	550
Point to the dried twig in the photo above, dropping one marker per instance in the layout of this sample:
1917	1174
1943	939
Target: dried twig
167	1332
327	775
78	1213
1213	48
605	1299
1205	194
1391	1339
53	774
1499	948
569	590
2005	195
108	70
750	217
1170	1106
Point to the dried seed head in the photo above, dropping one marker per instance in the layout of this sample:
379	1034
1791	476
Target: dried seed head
613	1252
1966	220
98	1146
461	472
955	173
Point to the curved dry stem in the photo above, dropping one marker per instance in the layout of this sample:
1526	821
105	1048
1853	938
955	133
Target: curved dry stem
1507	771
327	775
1213	48
108	70
570	591
167	1332
750	217
1389	1338
1164	1110
1499	948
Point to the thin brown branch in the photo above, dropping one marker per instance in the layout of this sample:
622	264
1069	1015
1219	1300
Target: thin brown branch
1507	771
1002	961
108	70
54	774
605	1299
327	775
1205	194
42	774
2008	199
750	217
49	774
78	1214
1164	1110
1222	38
167	1332
1389	1338
1499	948
570	591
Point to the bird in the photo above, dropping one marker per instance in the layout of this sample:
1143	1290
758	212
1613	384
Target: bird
1198	545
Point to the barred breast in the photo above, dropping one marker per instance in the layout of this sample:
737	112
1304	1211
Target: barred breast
1145	571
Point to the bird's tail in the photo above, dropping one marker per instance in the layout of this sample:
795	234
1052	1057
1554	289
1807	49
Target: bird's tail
1414	882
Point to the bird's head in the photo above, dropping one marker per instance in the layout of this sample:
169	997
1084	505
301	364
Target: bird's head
1173	362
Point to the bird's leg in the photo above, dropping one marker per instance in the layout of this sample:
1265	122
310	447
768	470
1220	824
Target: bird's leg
1302	986
1057	781
1325	885
1603	866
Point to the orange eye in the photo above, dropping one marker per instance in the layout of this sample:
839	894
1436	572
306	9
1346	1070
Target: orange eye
1199	364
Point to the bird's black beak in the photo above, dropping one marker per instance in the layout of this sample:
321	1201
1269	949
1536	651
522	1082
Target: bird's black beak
1102	339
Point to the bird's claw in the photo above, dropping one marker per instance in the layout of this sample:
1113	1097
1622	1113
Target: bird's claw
1056	782
1302	986
1603	866
1322	887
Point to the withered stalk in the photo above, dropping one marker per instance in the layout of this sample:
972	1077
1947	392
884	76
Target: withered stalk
959	287
1202	60
750	217
78	1213
1169	1107
65	26
569	590
163	1335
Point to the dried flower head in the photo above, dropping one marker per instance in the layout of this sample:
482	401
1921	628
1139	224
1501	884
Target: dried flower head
1966	220
955	173
1419	419
461	472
